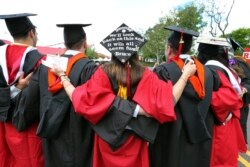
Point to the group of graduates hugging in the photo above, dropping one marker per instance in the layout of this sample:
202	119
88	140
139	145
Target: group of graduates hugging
189	111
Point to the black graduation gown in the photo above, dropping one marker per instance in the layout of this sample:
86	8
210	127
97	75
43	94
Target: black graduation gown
7	105
67	138
185	142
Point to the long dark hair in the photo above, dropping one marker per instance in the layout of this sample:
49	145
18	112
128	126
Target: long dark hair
117	71
213	52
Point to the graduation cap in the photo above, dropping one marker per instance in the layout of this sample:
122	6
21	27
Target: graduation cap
73	33
235	45
18	23
1	42
212	45
181	38
123	43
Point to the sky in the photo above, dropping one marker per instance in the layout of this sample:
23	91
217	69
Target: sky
104	15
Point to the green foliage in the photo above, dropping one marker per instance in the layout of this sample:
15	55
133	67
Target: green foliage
188	16
90	52
156	39
191	17
242	36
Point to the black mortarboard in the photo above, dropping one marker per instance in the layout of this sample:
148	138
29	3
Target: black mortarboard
18	23
123	42
73	33
181	36
235	45
1	42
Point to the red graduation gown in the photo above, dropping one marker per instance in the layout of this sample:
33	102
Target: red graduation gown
228	139
94	98
19	149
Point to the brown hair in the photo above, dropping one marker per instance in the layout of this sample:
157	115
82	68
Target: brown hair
239	71
118	71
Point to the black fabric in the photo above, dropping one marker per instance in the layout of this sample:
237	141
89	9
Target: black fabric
5	102
187	141
69	143
117	118
245	82
1	42
144	127
8	106
21	119
58	106
193	117
73	33
18	23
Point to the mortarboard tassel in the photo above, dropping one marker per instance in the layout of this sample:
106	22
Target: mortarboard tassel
180	45
128	66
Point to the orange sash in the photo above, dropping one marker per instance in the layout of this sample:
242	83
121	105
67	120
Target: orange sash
198	80
54	81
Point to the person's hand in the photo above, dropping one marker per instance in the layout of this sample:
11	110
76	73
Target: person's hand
57	70
23	81
189	69
229	117
240	95
244	90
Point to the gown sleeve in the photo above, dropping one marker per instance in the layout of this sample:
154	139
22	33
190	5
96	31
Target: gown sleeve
113	115
225	99
155	97
88	99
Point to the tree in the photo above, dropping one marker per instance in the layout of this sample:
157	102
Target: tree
218	16
90	52
187	16
155	36
191	16
242	36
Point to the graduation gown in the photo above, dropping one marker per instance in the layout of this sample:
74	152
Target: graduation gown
228	139
67	138
152	94
17	148
185	142
245	82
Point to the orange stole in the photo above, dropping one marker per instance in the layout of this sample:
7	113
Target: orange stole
197	81
54	81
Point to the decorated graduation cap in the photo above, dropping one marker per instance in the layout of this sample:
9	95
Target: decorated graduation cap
73	33
123	43
18	23
181	38
212	45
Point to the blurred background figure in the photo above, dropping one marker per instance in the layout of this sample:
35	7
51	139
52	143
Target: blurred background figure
239	64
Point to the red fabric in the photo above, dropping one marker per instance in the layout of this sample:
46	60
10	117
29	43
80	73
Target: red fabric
55	84
93	99
133	153
228	139
155	97
225	100
87	99
14	55
20	149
